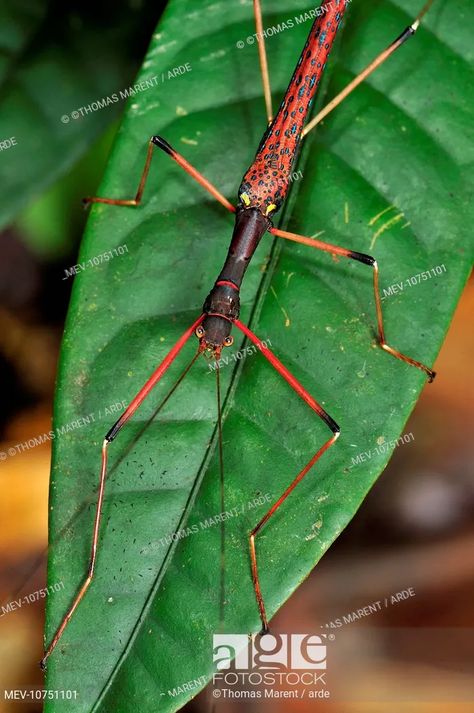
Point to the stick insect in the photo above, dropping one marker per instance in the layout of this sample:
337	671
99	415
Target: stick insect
261	194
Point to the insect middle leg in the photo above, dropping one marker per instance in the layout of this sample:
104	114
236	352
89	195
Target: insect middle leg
301	391
110	436
181	161
366	260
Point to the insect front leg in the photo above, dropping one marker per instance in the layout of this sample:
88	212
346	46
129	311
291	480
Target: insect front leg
306	396
110	436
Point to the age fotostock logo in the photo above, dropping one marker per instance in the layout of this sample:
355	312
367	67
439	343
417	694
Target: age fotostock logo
270	666
271	652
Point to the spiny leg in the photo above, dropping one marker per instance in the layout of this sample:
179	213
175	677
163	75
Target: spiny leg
301	391
367	260
181	161
262	53
380	59
111	434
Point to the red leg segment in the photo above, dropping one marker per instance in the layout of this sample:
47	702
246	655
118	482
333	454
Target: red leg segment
129	411
181	161
301	391
367	260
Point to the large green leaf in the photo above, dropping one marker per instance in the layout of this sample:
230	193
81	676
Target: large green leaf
146	625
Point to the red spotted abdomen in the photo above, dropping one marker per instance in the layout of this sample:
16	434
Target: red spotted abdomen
266	182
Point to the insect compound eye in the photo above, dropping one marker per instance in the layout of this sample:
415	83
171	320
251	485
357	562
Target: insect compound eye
228	341
200	332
